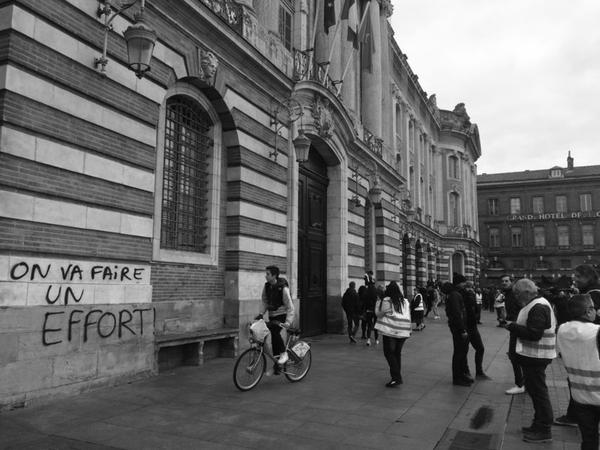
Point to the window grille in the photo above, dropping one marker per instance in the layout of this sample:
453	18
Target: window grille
188	147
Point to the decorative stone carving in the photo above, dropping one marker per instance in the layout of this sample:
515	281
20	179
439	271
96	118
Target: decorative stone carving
386	7
208	65
322	115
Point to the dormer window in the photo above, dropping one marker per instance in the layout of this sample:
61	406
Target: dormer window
556	172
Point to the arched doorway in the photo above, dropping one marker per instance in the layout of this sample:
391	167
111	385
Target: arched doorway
312	244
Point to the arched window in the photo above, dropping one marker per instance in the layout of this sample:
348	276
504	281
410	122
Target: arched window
187	179
188	145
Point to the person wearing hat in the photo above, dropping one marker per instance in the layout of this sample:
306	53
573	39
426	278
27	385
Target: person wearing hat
456	313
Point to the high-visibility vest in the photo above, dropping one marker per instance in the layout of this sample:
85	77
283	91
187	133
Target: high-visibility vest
579	351
419	305
545	348
394	323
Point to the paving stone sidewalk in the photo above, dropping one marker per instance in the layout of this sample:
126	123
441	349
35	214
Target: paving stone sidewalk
341	404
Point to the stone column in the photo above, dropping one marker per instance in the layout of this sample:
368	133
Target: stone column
372	89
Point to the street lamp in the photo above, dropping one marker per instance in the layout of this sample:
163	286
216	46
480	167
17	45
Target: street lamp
302	147
139	37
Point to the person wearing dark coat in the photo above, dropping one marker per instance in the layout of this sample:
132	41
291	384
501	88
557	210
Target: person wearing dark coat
350	303
456	313
474	337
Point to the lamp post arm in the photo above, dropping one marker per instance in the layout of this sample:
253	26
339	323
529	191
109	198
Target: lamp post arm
106	11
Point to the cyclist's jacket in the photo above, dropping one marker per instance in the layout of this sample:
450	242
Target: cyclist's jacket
578	344
277	300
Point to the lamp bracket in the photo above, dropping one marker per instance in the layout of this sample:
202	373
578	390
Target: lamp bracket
284	114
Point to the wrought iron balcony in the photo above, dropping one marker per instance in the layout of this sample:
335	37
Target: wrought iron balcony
305	69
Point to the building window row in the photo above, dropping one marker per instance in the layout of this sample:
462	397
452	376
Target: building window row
539	236
537	204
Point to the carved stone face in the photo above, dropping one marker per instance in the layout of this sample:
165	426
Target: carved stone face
209	64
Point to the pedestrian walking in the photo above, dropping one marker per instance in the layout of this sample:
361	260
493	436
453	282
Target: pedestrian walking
499	306
479	303
535	329
369	306
394	324
350	304
456	313
418	309
437	298
578	341
361	311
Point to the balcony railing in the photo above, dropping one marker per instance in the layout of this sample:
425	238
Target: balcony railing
229	11
305	69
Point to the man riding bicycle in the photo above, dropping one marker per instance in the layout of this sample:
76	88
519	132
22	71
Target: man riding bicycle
277	302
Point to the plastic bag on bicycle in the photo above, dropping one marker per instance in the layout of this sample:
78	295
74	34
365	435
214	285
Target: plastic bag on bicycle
259	330
299	349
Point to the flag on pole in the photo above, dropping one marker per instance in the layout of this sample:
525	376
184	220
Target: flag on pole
329	15
349	13
365	36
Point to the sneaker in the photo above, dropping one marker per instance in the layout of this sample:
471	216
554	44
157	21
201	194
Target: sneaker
376	341
482	376
392	383
368	342
565	421
283	358
538	437
515	390
465	383
528	430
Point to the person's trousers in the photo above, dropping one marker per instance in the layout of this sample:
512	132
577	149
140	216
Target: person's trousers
477	344
352	323
459	355
587	417
500	313
275	329
392	350
478	312
370	316
535	385
514	360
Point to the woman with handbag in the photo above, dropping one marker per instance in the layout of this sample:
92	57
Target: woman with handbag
393	322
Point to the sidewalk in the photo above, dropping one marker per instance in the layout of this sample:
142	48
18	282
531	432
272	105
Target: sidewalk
341	404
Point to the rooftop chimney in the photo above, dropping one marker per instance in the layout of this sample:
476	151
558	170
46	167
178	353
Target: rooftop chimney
569	161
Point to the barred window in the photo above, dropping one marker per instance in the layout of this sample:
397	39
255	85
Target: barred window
187	148
285	27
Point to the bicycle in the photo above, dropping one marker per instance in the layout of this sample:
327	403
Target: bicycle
251	364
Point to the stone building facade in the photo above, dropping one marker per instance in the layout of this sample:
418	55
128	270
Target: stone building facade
539	224
132	209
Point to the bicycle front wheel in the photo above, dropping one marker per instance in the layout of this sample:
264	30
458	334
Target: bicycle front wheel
248	369
295	371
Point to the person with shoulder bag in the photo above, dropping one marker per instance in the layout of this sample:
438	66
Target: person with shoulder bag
394	324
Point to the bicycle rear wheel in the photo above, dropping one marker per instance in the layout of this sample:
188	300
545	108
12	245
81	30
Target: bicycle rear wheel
295	371
248	369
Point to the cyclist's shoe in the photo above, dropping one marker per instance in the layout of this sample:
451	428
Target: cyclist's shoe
283	358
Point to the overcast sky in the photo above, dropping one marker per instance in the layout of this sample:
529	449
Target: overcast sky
528	72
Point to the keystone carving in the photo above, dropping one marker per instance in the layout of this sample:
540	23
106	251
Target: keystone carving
323	117
208	65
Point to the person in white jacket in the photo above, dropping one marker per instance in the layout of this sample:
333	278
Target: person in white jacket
393	322
579	344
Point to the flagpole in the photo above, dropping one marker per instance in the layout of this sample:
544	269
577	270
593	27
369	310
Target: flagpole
352	53
314	35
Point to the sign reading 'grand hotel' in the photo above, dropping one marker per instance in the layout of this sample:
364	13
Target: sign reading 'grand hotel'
553	216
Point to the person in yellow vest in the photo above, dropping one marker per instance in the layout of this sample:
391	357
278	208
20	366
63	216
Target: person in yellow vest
393	322
579	344
535	348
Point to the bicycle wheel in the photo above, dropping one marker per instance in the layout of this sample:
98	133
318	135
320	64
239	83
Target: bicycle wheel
248	369
295	371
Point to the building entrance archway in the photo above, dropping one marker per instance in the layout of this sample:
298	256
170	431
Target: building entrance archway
312	244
